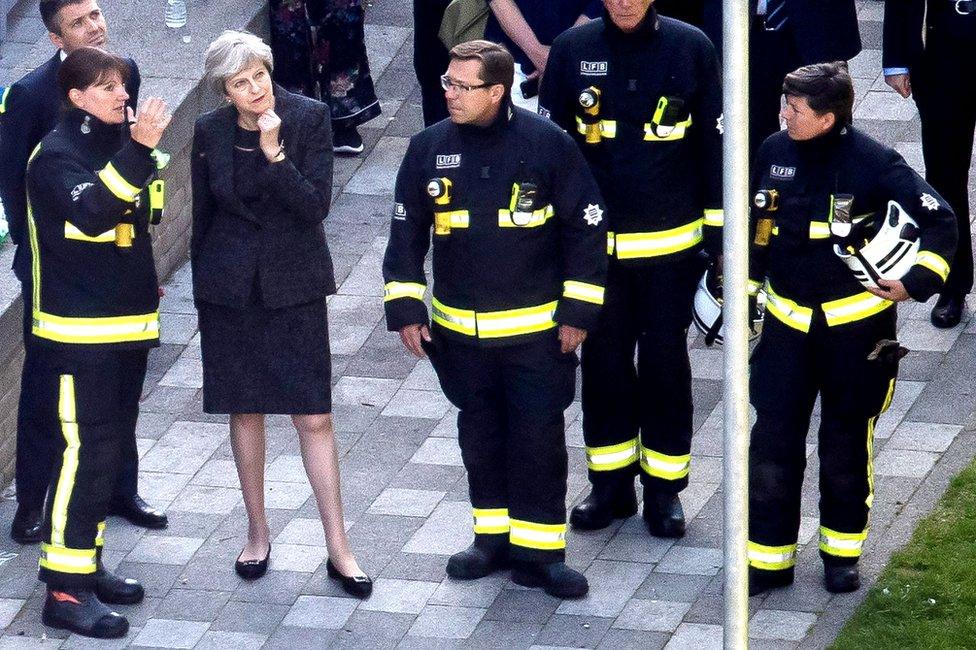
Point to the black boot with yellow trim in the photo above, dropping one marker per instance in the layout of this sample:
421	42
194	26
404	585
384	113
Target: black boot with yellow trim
111	588
488	554
555	578
614	498
761	581
663	513
841	578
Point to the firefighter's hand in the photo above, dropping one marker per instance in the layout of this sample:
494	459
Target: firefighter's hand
150	122
411	335
270	126
902	83
892	290
570	338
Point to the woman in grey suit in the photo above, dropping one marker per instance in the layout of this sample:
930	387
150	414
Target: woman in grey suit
262	181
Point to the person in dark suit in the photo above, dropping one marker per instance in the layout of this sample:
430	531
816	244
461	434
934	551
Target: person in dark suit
785	35
430	57
28	111
262	182
933	68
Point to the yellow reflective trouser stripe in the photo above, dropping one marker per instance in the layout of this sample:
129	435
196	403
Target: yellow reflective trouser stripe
68	560
715	218
3	100
819	230
663	466
511	322
869	501
583	291
394	290
788	312
117	185
771	558
611	457
491	521
100	535
608	128
854	308
611	241
545	537
108	329
842	544
538	218
677	131
71	232
933	262
664	242
458	320
67	416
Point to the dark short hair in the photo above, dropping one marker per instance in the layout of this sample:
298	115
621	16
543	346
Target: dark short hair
497	64
827	87
88	66
50	10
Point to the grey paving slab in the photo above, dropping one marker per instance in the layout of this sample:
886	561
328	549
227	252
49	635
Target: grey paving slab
652	615
446	622
780	625
399	596
611	586
319	612
166	633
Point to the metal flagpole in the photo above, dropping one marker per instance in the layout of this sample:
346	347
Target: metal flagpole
736	339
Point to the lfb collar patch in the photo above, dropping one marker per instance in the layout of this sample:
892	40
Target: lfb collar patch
782	173
594	68
449	161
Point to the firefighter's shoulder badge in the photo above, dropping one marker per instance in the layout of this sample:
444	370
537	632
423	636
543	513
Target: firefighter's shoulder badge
929	202
593	214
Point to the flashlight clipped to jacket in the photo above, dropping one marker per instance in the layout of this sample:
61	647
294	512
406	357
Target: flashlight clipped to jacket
768	202
589	101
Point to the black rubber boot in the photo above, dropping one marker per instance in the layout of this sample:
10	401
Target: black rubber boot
555	578
663	514
840	579
117	590
488	553
26	528
761	581
608	500
79	611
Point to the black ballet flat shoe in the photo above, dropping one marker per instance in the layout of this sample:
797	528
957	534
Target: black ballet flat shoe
358	586
252	569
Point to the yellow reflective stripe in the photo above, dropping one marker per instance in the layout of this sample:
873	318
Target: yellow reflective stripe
100	534
611	243
71	231
512	322
491	521
839	544
933	262
715	218
3	100
819	230
771	558
458	320
117	184
583	291
608	128
854	308
788	312
677	131
67	416
538	218
394	290
108	329
546	537
664	242
445	221
68	560
869	501
611	457
754	287
664	466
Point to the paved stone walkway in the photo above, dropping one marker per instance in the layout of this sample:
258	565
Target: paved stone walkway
405	490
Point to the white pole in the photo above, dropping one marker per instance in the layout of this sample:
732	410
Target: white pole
736	338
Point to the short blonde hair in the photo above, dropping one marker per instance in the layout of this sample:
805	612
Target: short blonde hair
230	53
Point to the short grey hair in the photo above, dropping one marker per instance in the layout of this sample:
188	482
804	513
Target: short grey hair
230	53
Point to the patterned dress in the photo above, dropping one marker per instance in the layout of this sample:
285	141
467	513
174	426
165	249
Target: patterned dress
319	51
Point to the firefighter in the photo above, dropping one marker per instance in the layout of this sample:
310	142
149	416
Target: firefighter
830	318
95	316
518	270
640	94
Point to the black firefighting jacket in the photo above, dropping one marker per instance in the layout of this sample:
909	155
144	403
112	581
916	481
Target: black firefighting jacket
805	276
645	109
519	231
94	281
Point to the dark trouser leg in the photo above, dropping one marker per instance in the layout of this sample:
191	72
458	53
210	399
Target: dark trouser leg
610	385
948	115
783	391
771	56
35	429
430	57
539	383
134	369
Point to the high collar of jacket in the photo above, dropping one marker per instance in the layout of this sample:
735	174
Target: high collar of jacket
647	29
823	145
102	138
506	116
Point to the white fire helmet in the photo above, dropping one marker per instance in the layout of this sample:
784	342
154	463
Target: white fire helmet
887	253
707	311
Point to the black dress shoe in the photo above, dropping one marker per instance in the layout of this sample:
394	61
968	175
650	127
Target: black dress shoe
358	586
663	514
841	579
555	578
347	141
948	310
117	590
27	525
138	512
252	569
761	581
482	558
79	611
608	500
